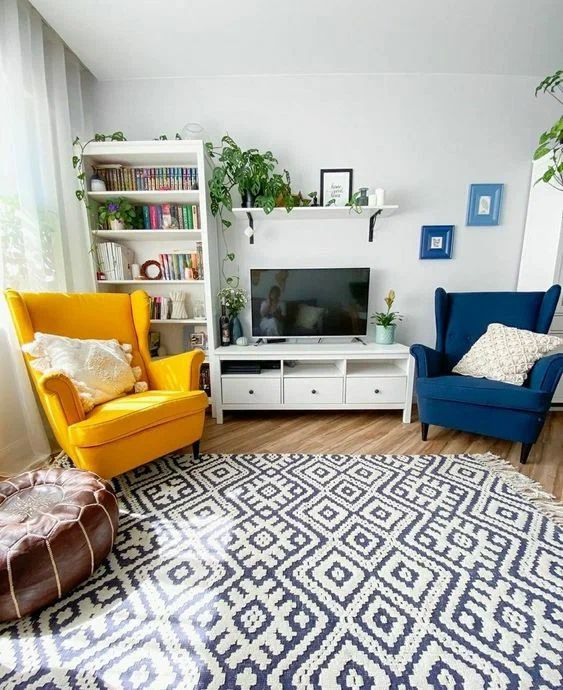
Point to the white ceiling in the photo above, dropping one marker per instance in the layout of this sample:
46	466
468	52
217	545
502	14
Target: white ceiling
131	39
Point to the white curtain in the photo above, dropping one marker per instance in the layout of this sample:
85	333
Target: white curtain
43	243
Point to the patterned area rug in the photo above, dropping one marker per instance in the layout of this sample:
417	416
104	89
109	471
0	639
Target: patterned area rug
255	572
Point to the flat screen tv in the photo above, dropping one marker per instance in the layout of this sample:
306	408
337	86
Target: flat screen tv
309	302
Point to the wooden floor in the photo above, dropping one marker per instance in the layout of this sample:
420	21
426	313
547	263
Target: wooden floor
377	432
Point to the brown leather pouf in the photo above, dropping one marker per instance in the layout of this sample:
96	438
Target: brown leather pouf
56	526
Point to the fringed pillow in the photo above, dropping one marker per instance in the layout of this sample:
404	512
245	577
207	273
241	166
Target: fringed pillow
506	354
100	370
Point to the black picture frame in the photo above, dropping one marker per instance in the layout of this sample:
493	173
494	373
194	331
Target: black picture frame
338	171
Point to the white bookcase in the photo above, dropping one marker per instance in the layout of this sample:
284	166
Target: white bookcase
148	244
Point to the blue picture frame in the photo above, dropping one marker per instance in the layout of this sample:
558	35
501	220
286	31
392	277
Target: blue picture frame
436	241
484	203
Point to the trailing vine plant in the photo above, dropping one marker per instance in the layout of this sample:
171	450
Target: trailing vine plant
551	141
78	162
254	173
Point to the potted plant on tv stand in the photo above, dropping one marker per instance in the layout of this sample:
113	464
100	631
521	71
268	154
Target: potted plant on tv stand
235	300
385	322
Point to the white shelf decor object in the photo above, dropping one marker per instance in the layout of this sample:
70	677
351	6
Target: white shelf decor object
148	244
317	212
325	376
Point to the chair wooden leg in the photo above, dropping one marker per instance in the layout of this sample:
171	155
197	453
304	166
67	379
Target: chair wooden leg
524	452
424	430
195	449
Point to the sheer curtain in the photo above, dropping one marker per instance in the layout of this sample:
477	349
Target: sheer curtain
43	246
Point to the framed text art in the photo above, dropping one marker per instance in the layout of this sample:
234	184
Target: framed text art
336	186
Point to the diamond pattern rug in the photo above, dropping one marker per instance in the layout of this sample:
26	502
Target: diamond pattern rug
334	572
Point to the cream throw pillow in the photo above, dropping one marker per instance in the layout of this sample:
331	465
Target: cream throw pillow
100	370
505	354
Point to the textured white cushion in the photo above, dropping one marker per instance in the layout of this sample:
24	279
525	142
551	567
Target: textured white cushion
505	354
100	370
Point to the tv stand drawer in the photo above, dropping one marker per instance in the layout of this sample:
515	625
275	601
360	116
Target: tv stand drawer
251	390
322	391
376	389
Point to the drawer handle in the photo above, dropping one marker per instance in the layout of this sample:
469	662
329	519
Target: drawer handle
313	391
251	392
377	390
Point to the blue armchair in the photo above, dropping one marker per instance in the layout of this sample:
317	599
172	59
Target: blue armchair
477	405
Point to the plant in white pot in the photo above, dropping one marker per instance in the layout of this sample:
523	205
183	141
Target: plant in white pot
116	214
386	322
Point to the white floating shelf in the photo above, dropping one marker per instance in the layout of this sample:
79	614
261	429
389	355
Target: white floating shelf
148	235
153	197
309	212
369	213
198	322
149	282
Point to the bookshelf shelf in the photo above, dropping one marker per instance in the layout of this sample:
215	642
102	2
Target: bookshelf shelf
149	235
152	197
147	283
194	322
139	244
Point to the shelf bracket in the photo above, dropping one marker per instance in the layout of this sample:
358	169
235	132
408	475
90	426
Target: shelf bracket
372	220
251	224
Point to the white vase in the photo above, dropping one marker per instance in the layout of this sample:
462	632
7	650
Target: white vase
116	224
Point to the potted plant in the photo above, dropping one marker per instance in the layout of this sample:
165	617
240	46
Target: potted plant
251	171
385	322
117	214
551	141
254	174
235	301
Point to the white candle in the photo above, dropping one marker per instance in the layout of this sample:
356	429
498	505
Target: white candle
380	197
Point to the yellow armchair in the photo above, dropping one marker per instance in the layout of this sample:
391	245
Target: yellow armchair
128	431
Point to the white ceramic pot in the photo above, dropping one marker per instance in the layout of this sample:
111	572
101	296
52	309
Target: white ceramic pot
116	224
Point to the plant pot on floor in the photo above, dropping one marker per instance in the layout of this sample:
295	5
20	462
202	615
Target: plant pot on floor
116	224
236	329
385	335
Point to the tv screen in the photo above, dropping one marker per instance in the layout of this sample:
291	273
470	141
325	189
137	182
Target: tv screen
309	302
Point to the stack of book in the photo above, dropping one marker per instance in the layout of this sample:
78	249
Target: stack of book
121	178
182	266
160	308
114	261
156	217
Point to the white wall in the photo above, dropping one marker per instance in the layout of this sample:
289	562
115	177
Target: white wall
424	138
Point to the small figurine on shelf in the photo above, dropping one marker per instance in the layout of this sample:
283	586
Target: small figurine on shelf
178	305
168	220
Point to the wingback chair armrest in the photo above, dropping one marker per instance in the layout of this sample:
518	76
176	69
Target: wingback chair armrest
429	362
545	373
59	385
176	373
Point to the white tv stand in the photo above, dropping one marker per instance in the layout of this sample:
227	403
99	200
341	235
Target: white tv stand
319	376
